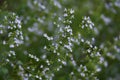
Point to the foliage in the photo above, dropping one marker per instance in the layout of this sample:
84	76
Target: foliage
59	40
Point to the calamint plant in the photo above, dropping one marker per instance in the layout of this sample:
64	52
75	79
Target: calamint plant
68	55
76	54
59	40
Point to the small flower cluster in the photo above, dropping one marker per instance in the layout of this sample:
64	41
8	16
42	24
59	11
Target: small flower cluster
33	57
87	23
115	47
12	53
10	58
48	38
11	37
88	26
68	15
12	28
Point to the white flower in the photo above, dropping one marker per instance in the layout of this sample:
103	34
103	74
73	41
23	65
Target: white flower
12	46
65	15
71	11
